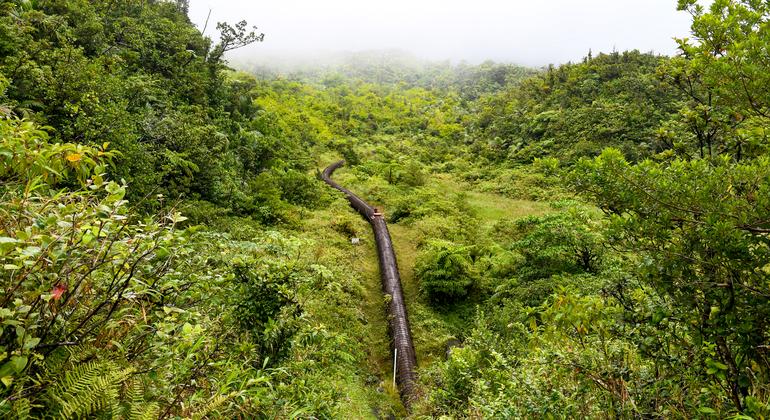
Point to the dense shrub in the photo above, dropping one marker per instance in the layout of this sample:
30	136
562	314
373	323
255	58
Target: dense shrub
445	271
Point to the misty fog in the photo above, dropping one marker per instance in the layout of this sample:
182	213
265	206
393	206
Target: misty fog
532	33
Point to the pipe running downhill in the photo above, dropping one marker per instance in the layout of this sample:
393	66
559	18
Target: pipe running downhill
398	321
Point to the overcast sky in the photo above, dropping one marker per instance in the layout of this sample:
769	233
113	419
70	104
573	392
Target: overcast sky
529	32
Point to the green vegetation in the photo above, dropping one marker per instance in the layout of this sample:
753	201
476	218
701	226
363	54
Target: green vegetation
587	240
444	270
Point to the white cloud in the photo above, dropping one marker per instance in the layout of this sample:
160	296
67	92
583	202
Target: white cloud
532	32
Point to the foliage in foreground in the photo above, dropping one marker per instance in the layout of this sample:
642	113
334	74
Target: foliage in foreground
109	314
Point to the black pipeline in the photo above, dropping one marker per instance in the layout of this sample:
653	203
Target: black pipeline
398	322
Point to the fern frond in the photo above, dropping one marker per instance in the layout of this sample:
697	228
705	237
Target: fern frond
210	406
88	388
145	411
138	408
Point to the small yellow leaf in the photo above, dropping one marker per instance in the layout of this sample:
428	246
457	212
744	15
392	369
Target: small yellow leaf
74	157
